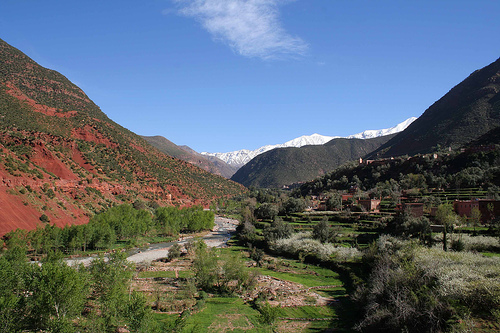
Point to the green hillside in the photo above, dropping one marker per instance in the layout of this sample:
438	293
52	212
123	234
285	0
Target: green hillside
207	163
467	111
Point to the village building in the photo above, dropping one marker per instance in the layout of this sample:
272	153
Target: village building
489	208
370	205
416	209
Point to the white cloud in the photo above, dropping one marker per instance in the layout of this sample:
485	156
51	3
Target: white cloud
250	27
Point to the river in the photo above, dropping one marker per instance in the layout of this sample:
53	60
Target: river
218	237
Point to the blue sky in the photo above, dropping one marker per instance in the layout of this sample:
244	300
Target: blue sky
223	75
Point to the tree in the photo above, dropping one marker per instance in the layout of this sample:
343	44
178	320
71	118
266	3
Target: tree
110	280
323	231
334	201
234	274
257	255
267	211
446	217
246	233
294	205
409	226
218	271
399	296
247	214
475	218
277	230
13	270
205	267
57	294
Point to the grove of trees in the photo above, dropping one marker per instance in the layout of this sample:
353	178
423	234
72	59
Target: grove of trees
121	223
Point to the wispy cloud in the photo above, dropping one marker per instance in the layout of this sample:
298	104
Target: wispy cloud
251	28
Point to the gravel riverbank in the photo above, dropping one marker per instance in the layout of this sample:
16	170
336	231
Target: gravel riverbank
218	237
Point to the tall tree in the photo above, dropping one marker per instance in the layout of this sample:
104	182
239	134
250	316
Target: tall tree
446	217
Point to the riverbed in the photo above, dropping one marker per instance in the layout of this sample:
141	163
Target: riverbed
218	237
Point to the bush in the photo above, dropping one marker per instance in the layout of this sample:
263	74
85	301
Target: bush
174	251
480	243
268	314
277	230
323	231
413	287
301	244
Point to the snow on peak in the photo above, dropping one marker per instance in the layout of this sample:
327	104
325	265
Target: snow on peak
369	134
241	157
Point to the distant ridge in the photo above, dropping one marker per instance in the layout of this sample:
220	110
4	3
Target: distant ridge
241	157
208	163
285	166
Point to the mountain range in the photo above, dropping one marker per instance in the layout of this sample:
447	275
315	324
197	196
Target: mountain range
62	159
285	166
241	157
468	115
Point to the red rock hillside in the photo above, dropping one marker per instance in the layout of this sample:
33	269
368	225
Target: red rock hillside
62	159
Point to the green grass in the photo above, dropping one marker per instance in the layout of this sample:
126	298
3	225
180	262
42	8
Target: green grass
490	254
223	312
309	312
332	292
164	317
302	275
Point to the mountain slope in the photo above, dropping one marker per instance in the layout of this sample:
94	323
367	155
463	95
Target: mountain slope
62	158
285	166
207	163
467	111
241	157
489	138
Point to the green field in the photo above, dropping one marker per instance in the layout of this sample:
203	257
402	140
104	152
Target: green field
223	314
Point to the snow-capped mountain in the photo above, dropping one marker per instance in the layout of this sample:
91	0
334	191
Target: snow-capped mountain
241	157
369	134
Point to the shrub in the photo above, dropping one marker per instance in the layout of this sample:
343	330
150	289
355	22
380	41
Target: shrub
268	314
412	287
302	244
480	243
174	251
323	231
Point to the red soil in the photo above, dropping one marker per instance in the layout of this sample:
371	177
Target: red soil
43	157
14	214
91	134
47	110
81	161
